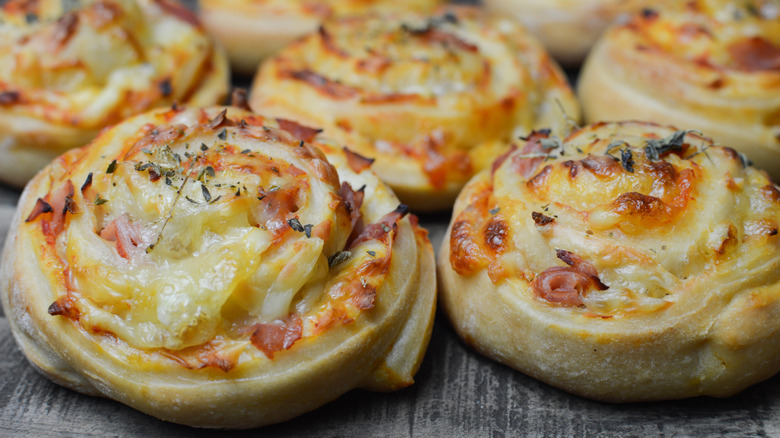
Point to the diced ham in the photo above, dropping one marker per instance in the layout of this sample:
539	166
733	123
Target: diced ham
334	89
523	165
436	35
126	236
300	132
353	200
380	229
755	54
357	162
176	9
60	202
567	285
276	336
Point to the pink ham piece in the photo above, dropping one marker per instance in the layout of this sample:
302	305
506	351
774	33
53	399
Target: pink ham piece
566	285
121	231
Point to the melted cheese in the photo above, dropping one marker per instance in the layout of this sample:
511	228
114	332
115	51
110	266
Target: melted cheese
329	8
433	98
712	65
191	227
653	228
101	61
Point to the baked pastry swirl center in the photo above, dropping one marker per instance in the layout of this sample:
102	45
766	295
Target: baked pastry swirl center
198	229
712	65
212	261
622	201
185	229
626	262
98	61
434	98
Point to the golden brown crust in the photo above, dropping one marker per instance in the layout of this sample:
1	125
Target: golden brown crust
632	262
710	65
212	268
69	73
252	30
567	28
432	98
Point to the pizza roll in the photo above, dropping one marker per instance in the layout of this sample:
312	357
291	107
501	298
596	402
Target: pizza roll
712	65
70	68
567	28
252	30
216	269
627	262
432	98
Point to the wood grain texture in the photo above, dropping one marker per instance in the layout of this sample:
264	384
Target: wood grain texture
458	393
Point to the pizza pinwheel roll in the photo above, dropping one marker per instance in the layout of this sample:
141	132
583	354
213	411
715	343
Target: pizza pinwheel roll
252	30
567	28
70	68
627	262
432	98
216	269
712	65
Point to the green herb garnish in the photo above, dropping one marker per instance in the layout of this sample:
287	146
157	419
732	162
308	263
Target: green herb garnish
295	224
338	258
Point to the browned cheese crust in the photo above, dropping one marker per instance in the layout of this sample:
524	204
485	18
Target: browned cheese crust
69	69
432	98
712	65
252	30
627	262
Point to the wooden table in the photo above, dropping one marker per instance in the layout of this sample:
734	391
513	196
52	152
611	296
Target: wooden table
458	394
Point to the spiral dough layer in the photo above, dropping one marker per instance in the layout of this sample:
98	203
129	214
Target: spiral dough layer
252	30
213	268
712	65
70	68
433	99
627	262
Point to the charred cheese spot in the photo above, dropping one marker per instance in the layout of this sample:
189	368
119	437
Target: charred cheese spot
602	166
496	235
465	253
541	220
637	204
540	179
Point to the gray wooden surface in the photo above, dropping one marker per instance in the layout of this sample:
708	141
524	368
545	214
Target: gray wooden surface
458	394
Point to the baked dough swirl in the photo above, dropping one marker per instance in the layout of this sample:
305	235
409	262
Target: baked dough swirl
432	98
70	68
567	28
627	262
252	30
213	268
712	65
